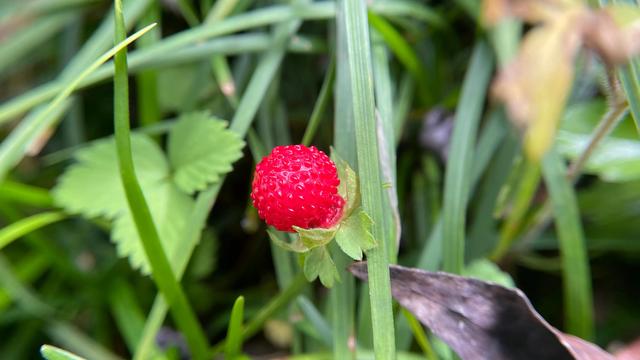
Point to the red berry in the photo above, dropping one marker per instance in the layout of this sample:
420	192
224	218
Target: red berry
297	185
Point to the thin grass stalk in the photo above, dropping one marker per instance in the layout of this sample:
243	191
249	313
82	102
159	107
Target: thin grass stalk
367	149
342	297
147	80
161	270
247	109
242	22
27	225
578	301
459	164
321	104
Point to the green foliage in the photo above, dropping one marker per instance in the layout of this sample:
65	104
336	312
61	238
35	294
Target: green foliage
386	66
318	263
201	151
91	187
486	270
616	158
354	235
53	353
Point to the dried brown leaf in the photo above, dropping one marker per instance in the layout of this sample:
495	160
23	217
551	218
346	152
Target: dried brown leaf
482	320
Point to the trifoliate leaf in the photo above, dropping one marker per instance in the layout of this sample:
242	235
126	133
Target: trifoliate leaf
170	209
354	235
201	150
318	263
296	246
312	238
92	188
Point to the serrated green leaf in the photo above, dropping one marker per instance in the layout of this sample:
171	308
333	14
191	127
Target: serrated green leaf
53	353
354	235
201	150
170	209
318	263
296	246
92	188
313	238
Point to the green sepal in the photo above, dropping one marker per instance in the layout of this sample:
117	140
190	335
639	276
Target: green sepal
296	246
354	235
348	188
318	263
316	237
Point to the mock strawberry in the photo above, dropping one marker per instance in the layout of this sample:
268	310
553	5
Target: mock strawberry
297	185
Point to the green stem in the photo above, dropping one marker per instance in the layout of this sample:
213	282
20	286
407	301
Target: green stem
294	289
578	302
367	148
526	190
26	225
321	104
460	162
160	268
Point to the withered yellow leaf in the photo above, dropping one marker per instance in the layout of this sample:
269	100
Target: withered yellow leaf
535	86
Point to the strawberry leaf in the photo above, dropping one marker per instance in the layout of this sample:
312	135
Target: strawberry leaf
354	235
296	246
201	150
318	263
313	238
92	188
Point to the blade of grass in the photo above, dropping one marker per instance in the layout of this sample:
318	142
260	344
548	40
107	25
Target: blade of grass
316	319
160	268
386	144
321	104
25	194
233	343
26	225
53	353
61	332
173	44
147	81
420	335
15	48
126	312
527	187
27	271
402	105
405	54
578	302
247	109
367	149
342	297
188	12
13	147
459	163
269	310
483	231
219	64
